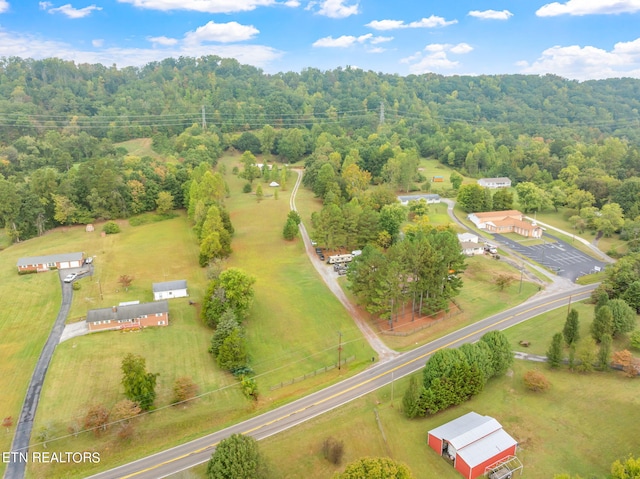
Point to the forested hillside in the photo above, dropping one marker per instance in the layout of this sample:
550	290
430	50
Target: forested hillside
563	140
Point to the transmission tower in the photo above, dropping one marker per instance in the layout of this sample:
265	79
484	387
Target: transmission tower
381	113
204	119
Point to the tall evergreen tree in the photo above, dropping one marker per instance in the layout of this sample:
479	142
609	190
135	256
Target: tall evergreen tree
554	353
571	330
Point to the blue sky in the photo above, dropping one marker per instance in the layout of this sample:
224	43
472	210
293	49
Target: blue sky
576	39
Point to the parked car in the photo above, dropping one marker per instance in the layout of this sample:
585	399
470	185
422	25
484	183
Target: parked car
321	256
70	277
88	260
318	250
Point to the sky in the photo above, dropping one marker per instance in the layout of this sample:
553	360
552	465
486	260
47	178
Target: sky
575	39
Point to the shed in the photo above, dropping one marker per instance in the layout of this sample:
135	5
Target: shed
473	444
274	184
429	198
170	289
52	261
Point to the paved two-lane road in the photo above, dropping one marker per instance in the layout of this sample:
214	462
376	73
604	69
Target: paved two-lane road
199	451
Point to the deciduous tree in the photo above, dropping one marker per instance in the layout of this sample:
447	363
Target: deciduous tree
375	468
237	457
602	323
139	385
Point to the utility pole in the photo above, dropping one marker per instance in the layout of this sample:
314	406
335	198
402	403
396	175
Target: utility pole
204	119
569	306
381	113
339	350
521	271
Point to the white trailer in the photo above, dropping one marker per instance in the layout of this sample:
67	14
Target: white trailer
339	258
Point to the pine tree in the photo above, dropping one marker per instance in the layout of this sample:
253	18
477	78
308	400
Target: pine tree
571	331
602	323
554	354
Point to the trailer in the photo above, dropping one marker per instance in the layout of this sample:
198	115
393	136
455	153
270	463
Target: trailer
339	258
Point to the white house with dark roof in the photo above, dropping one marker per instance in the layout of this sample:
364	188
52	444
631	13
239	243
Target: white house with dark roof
170	290
495	183
429	198
49	262
128	316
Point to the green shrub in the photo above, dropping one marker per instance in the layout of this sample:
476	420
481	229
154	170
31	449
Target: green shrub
635	340
111	227
246	188
76	286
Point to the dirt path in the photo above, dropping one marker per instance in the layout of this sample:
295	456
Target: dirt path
331	280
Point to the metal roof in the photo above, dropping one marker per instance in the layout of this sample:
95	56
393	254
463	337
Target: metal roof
51	258
487	447
476	438
430	196
459	426
169	285
132	311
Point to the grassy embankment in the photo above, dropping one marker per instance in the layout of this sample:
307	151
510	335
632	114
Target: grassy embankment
292	331
561	430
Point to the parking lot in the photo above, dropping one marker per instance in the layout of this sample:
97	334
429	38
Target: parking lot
557	255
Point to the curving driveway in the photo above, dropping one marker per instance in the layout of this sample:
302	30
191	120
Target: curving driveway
16	469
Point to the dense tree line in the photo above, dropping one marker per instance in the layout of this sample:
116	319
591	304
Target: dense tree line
61	120
452	376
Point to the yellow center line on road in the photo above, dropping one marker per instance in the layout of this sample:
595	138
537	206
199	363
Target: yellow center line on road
356	386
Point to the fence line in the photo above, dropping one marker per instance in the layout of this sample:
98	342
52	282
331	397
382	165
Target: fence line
310	375
424	326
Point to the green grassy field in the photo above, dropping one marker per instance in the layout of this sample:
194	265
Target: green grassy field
292	331
139	147
29	306
551	428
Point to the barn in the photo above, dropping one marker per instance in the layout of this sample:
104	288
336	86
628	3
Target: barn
49	262
476	446
170	289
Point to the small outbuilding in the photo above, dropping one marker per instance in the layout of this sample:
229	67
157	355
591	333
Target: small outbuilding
495	183
476	445
49	262
170	290
274	184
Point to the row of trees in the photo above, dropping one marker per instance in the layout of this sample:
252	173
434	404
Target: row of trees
452	376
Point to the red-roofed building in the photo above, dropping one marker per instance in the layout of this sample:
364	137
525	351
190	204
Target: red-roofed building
509	221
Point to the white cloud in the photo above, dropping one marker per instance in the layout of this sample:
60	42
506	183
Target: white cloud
69	10
221	32
588	62
334	8
28	46
491	14
291	3
98	42
204	6
4	6
431	22
436	58
376	40
162	40
376	50
589	7
348	40
45	5
461	48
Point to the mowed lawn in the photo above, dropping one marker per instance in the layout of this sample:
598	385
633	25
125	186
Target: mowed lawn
29	305
580	426
296	322
293	330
